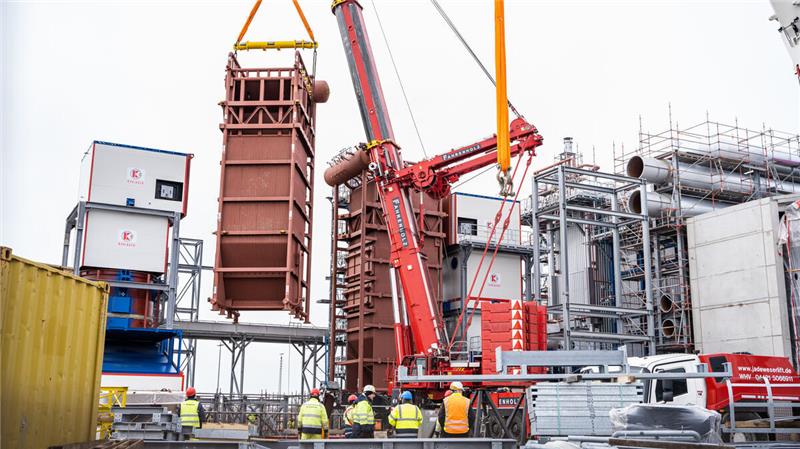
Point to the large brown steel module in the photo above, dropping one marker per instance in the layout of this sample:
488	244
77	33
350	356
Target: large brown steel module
370	350
266	189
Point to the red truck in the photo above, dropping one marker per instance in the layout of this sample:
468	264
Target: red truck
754	377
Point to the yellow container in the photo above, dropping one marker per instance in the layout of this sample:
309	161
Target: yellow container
53	332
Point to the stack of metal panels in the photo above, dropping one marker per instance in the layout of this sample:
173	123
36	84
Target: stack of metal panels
145	423
561	409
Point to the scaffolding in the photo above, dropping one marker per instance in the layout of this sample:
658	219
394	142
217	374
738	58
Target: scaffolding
695	170
586	254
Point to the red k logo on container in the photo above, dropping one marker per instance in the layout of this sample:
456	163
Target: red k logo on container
126	238
135	175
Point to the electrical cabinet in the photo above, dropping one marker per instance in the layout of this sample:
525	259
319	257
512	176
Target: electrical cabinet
125	175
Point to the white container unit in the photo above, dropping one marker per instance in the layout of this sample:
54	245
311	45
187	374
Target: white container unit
125	175
125	241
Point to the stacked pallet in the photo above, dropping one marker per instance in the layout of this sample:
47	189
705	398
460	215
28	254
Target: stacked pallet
562	409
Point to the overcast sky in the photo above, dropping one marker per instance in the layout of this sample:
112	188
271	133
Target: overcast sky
151	73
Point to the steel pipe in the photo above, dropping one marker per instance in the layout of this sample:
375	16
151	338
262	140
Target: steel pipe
658	204
660	171
349	167
657	171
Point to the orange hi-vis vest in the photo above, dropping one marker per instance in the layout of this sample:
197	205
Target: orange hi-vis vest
456	414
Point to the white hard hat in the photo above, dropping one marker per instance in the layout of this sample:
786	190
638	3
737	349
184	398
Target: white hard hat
369	389
456	386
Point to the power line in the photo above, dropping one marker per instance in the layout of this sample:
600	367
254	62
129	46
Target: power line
469	49
399	80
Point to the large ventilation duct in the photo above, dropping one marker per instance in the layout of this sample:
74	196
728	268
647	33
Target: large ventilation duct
658	204
658	171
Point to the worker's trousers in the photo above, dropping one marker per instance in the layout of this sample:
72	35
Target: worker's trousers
455	435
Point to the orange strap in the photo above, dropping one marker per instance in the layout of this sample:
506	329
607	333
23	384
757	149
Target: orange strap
303	18
255	10
249	19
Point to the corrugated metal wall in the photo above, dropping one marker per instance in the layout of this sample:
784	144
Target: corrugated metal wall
53	330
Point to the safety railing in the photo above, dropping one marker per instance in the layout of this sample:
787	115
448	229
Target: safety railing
468	232
768	396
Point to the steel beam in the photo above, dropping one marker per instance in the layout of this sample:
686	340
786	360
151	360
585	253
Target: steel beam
259	333
609	309
505	359
610	213
416	443
404	378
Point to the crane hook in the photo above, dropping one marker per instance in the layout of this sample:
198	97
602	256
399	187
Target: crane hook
506	181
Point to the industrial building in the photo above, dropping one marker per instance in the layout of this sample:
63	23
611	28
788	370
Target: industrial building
647	302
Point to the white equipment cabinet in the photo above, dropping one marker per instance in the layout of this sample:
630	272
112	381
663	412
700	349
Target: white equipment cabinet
125	241
125	175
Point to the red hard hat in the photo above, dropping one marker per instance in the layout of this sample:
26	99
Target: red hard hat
190	392
448	393
315	392
352	398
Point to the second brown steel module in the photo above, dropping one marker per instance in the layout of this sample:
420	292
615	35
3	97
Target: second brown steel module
266	189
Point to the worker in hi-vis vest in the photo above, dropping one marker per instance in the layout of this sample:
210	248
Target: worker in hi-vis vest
191	412
363	416
455	414
347	416
406	417
312	421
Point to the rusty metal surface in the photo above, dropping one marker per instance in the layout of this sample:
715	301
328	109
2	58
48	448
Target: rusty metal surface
266	190
365	286
350	166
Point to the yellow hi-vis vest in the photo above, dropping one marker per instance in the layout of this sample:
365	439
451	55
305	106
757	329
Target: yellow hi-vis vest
406	418
189	413
348	415
312	417
363	414
456	414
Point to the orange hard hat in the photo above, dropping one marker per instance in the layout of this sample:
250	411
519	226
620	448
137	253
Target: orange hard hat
352	398
190	392
315	392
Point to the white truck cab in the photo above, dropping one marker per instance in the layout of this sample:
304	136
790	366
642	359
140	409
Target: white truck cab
678	391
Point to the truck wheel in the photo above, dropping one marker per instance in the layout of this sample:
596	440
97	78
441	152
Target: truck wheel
741	437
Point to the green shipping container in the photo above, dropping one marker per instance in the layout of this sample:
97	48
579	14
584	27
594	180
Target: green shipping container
53	331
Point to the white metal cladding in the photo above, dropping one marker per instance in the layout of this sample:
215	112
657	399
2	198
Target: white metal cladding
737	281
153	179
503	282
125	241
483	210
146	382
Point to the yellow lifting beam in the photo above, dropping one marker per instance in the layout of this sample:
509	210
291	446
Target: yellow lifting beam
275	45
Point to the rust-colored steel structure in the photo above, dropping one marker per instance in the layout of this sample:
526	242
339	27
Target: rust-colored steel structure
362	279
266	189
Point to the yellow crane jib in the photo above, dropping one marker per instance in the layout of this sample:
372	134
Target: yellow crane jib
274	45
503	145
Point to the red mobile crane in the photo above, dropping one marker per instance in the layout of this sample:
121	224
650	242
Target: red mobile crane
395	179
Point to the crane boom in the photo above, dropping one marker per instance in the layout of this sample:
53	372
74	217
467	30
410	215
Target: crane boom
395	179
406	254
